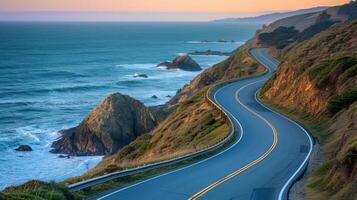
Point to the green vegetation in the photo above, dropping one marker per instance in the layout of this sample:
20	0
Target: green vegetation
284	36
38	190
324	70
352	71
322	23
280	37
342	101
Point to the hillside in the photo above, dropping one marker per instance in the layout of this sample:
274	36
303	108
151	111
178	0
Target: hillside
320	90
38	190
269	18
286	32
194	124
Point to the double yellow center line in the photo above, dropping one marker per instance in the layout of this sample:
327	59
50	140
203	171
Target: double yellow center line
235	173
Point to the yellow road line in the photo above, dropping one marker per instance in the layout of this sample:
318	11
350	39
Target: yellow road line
235	173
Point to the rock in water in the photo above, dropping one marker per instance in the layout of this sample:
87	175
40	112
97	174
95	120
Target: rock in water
23	148
184	62
140	75
115	122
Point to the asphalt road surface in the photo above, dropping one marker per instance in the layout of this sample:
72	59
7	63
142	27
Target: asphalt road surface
268	155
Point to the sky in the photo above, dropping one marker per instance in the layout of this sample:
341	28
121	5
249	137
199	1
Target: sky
147	10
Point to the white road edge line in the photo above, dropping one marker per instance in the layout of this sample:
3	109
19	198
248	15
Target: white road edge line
303	129
306	158
155	177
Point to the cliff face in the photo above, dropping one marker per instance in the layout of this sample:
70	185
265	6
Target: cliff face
314	70
317	80
118	120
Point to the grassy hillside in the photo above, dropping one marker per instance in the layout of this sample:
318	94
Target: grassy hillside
320	91
38	190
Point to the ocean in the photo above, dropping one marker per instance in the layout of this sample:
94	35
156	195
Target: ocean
53	73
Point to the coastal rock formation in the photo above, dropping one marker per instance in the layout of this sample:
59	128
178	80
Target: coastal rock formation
23	148
184	62
118	120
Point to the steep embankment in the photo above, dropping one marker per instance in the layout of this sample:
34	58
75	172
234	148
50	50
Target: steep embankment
317	84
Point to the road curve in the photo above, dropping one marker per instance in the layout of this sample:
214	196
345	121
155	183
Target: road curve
269	154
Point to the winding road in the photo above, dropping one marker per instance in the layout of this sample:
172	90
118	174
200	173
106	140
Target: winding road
270	153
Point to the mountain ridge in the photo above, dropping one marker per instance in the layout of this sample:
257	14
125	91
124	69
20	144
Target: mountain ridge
271	17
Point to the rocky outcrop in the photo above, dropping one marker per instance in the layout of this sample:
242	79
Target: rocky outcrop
184	62
23	148
118	120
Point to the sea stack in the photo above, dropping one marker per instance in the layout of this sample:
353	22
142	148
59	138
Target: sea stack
184	62
115	122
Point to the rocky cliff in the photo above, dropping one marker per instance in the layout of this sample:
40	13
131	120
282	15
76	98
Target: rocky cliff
115	122
316	83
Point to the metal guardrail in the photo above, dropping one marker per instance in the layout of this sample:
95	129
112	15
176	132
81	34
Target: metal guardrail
107	177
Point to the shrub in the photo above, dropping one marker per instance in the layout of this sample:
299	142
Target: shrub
344	100
352	71
38	190
324	68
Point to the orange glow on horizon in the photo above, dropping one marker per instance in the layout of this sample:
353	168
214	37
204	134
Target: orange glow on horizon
222	6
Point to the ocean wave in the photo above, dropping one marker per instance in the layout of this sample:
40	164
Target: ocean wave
59	89
127	83
32	135
62	74
138	66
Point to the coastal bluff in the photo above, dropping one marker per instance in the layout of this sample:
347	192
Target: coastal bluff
115	122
